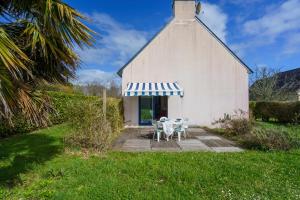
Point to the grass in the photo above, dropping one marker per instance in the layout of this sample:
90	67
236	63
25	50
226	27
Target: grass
36	167
292	130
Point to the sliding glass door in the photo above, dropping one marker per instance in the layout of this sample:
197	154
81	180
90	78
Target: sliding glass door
145	110
152	108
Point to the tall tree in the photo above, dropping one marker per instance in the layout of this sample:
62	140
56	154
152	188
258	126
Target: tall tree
37	42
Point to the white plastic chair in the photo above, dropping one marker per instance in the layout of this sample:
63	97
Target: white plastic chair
179	130
158	130
185	126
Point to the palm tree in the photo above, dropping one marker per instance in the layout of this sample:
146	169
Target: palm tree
37	42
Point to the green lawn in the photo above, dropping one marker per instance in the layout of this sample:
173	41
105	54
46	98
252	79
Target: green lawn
35	167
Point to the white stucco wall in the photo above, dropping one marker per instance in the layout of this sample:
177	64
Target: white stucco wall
214	81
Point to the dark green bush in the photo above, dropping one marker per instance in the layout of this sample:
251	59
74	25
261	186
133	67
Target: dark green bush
283	112
20	126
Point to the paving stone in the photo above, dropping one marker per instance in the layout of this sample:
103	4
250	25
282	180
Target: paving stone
137	145
193	145
164	144
226	149
208	137
217	143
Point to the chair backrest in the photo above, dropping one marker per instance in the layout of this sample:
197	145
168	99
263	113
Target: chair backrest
154	124
178	126
159	125
163	119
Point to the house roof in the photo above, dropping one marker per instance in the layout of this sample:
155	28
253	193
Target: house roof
201	23
288	80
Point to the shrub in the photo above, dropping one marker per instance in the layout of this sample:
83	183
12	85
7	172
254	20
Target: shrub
62	102
114	114
283	112
237	124
90	129
262	139
20	126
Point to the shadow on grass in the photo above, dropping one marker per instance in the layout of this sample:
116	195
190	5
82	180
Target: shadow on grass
21	154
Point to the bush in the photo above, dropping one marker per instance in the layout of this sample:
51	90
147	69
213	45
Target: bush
62	102
262	139
237	124
90	129
20	126
283	112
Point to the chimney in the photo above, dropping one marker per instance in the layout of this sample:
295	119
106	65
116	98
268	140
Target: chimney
184	9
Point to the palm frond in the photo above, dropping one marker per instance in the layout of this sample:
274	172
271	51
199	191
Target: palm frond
37	45
11	56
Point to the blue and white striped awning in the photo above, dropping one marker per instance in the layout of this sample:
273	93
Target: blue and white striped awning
153	89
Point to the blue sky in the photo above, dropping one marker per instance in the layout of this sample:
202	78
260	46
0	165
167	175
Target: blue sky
261	32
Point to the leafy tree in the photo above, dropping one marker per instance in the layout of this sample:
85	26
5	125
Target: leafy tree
37	42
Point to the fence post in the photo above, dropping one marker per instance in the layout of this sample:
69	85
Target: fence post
104	103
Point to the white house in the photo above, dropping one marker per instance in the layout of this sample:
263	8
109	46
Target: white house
184	71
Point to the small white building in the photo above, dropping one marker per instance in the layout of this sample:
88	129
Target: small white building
185	71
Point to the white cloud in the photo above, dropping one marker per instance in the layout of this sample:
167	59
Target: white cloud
277	21
279	24
95	76
293	44
213	16
116	44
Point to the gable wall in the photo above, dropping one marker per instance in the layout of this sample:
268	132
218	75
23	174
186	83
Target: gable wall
214	82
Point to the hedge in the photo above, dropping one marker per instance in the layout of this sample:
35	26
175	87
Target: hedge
61	102
283	112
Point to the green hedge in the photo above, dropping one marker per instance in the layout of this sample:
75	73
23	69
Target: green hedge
283	112
61	102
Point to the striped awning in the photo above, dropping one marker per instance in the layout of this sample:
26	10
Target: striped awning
153	89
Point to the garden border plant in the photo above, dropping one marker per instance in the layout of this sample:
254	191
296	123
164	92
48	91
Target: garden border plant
282	112
248	134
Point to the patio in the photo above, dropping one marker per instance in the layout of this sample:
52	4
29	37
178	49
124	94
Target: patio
140	140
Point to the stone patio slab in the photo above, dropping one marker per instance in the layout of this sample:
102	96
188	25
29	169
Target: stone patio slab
208	137
193	145
137	145
217	143
226	149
